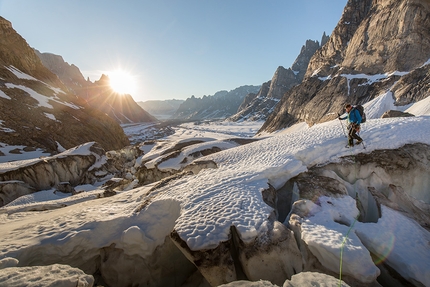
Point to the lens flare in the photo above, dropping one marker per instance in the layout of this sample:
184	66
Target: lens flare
122	82
385	249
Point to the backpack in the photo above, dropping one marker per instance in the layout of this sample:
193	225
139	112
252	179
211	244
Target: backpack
360	109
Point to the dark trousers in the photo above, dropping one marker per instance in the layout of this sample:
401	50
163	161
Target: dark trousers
352	134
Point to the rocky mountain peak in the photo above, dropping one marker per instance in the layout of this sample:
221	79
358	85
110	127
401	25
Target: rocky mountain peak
282	80
301	63
15	51
324	39
333	52
104	80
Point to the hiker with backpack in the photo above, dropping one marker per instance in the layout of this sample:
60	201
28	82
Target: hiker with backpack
355	119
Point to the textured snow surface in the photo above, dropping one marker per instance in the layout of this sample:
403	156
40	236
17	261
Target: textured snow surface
52	276
231	194
203	207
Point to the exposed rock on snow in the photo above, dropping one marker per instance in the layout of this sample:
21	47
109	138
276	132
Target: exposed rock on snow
313	279
392	114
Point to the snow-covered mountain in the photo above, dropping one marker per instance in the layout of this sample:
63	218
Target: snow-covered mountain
221	208
368	54
38	112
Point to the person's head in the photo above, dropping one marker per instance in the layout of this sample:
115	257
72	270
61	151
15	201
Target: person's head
348	107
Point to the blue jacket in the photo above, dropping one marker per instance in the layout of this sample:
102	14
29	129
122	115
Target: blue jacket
353	116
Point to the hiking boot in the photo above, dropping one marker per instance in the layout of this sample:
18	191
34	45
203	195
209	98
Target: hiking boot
358	142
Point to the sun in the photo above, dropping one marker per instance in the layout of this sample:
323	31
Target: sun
122	82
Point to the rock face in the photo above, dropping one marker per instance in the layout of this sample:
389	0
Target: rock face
256	106
260	106
99	95
36	108
377	36
219	106
377	47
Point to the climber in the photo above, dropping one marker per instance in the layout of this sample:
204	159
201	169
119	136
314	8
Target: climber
354	119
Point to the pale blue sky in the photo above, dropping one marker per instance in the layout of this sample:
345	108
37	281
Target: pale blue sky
175	48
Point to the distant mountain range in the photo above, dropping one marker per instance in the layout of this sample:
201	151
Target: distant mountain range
257	107
161	109
218	106
251	103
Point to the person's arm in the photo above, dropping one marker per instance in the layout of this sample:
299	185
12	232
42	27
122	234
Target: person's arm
341	118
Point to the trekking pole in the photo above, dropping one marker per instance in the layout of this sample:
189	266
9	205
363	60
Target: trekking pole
343	129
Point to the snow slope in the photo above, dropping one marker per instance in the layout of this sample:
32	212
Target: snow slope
203	207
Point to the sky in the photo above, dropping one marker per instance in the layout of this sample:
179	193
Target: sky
174	49
201	208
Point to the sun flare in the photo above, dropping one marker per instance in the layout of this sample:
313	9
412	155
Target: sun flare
122	82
